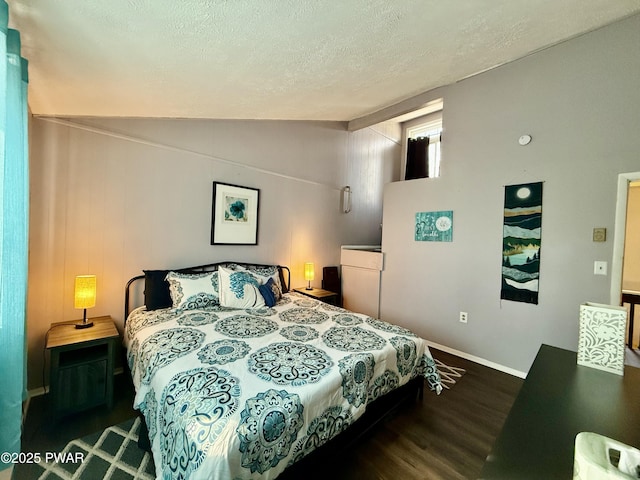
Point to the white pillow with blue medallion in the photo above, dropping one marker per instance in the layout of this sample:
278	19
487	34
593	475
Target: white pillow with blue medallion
239	289
190	291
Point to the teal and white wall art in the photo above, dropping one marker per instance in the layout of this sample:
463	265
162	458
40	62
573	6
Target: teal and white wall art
521	242
434	226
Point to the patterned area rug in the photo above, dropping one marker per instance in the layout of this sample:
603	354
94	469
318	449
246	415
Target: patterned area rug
110	454
449	375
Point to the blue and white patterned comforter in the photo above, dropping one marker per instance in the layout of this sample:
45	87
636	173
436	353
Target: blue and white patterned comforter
242	394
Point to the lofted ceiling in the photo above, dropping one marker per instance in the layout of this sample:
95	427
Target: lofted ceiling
276	59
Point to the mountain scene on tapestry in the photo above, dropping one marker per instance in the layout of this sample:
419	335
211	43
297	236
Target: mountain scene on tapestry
521	242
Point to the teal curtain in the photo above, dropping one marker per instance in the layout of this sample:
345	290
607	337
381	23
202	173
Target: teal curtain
14	225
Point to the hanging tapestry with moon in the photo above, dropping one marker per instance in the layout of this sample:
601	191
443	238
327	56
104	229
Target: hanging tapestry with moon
521	242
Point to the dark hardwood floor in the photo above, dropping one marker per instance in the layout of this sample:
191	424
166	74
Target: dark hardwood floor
446	436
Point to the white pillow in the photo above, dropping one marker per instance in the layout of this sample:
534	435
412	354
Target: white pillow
193	290
263	274
239	289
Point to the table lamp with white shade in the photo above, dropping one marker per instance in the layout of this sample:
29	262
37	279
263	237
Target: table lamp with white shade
308	274
85	297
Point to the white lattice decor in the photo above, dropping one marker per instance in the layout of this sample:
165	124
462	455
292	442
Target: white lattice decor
601	337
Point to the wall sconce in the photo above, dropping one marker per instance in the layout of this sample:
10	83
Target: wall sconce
308	274
346	199
85	297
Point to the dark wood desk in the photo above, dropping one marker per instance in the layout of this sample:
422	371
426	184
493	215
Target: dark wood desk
632	298
558	400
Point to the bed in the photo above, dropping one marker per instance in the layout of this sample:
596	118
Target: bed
236	377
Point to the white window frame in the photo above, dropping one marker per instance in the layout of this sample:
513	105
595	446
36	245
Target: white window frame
428	125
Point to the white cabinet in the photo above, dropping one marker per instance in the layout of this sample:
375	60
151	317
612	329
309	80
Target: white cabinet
361	267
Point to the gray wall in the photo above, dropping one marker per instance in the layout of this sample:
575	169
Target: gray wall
114	196
580	101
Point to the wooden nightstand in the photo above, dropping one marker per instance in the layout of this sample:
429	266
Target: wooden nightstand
319	294
82	363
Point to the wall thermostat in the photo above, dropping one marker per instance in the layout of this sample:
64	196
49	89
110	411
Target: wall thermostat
524	140
599	234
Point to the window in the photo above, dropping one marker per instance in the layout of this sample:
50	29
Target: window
429	126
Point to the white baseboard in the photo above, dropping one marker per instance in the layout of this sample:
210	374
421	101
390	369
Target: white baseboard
25	408
36	392
481	361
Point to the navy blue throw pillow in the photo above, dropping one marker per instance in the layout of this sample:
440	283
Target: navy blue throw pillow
267	293
156	290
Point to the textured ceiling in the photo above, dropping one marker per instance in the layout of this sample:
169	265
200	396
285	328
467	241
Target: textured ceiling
276	59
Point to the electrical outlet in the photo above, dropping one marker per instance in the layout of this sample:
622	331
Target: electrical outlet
463	317
599	268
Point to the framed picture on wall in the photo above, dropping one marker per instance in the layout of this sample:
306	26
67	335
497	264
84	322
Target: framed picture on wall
234	215
434	226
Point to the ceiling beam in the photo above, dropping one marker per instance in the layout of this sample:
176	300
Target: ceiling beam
408	109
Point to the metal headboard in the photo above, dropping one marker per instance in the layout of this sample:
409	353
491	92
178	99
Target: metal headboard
211	267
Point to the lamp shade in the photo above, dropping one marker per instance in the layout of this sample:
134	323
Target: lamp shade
85	291
308	271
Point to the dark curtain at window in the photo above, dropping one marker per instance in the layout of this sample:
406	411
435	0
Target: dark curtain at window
417	158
